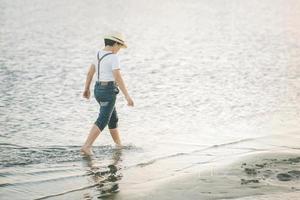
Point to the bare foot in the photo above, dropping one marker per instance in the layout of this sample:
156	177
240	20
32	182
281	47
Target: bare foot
118	146
86	151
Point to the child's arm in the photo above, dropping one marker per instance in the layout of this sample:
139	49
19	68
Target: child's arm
89	78
121	84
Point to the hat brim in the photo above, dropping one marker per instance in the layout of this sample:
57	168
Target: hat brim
124	46
117	40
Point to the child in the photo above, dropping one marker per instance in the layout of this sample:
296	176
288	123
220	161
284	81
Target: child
107	70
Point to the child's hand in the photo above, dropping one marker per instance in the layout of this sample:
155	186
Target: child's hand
129	101
86	94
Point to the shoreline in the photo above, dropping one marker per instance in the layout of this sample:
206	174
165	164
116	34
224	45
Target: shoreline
240	169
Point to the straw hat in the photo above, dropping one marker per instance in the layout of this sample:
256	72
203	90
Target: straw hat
118	37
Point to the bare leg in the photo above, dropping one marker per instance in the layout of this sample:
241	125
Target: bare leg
87	147
115	136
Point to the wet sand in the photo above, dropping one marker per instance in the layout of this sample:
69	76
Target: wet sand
265	175
261	168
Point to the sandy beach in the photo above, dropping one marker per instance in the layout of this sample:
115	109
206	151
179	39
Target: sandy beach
264	174
256	176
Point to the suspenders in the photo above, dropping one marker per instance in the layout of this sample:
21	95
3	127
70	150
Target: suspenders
99	60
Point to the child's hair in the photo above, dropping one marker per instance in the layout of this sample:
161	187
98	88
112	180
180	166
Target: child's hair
109	42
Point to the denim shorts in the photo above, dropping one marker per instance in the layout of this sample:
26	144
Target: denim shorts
106	96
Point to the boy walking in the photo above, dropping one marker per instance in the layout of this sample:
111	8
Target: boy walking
109	80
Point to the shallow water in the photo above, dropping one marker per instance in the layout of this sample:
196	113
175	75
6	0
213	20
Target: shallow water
202	73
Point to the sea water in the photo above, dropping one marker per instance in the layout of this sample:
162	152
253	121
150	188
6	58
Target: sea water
201	74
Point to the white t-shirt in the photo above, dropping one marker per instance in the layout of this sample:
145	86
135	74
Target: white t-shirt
107	65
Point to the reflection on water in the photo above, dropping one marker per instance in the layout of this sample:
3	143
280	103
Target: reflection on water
86	176
105	181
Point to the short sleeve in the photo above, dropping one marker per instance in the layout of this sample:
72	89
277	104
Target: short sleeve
115	62
95	59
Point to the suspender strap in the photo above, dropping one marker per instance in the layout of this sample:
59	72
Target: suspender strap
99	60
